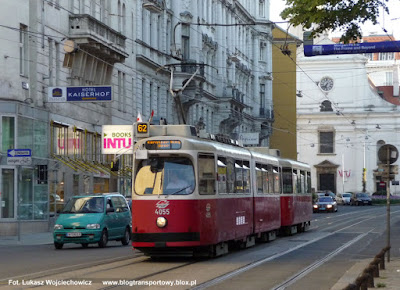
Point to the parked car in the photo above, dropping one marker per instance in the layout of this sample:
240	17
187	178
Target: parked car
94	219
360	198
343	198
325	203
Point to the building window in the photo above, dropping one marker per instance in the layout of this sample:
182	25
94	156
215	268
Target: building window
263	46
326	142
185	41
262	97
7	133
23	50
386	56
326	106
261	8
389	79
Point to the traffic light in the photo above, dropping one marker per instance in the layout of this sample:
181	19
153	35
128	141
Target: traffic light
115	165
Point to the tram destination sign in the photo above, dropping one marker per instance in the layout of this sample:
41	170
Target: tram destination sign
163	145
79	94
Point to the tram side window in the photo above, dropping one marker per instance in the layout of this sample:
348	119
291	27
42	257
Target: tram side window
260	179
276	178
287	180
263	178
230	175
222	175
206	174
238	176
246	176
302	182
308	182
296	182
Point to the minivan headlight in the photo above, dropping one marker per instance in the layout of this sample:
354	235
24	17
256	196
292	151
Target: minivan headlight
93	226
58	227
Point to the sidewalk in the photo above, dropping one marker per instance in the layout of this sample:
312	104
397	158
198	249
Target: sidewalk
389	279
27	239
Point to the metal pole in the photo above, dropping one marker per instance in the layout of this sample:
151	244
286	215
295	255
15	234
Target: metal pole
343	171
19	202
388	204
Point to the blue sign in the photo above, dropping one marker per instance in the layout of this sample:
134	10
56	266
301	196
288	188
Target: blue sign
19	153
366	47
89	94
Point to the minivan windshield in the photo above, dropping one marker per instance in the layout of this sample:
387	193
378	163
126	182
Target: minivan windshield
165	175
89	204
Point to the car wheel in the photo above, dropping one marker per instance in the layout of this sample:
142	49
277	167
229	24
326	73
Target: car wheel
127	237
104	239
58	246
85	245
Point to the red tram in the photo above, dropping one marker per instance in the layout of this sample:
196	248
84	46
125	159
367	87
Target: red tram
197	196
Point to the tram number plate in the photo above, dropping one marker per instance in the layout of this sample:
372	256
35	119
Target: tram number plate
162	211
73	235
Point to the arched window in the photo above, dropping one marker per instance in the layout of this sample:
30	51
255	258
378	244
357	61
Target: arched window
326	106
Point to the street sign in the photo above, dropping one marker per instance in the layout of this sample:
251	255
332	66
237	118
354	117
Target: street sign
19	157
353	48
117	139
19	153
19	160
388	150
79	94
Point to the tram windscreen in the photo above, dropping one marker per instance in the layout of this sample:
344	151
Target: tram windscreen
165	175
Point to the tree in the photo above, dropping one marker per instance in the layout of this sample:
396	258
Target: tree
344	15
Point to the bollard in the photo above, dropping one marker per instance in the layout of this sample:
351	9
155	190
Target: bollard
375	263
351	286
369	273
362	281
381	256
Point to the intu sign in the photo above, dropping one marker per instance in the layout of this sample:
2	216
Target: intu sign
117	139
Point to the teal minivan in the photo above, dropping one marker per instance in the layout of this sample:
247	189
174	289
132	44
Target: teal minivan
89	219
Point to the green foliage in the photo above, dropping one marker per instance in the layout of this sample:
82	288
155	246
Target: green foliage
342	15
380	285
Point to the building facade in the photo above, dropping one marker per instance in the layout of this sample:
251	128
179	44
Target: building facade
204	63
343	120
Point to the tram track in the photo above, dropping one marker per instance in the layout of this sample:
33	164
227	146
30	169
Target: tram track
309	268
141	268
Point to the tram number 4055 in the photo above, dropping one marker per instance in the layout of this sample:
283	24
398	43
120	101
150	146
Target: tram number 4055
162	211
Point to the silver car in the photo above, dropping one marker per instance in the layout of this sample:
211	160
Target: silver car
326	204
343	198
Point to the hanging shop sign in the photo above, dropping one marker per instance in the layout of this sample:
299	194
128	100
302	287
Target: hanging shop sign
117	139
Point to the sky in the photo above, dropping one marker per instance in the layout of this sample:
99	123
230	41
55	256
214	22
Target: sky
390	22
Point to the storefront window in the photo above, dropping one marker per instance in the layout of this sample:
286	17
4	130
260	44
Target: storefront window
8	133
25	130
40	139
7	193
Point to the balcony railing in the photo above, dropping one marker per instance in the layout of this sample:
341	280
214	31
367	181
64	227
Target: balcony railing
98	38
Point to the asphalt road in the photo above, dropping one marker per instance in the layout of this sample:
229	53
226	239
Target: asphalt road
312	260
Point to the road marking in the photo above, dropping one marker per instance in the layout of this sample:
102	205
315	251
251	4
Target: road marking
255	264
316	264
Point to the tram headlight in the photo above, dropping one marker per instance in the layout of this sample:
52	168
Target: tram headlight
161	222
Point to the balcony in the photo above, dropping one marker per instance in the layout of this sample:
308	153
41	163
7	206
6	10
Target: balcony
266	114
97	38
154	6
185	70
